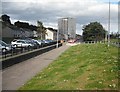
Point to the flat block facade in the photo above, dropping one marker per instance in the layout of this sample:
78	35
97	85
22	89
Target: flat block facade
67	28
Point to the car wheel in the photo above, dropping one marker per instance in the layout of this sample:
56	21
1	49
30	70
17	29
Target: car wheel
4	50
15	45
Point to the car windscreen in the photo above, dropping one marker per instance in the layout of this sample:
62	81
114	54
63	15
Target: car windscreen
3	43
20	42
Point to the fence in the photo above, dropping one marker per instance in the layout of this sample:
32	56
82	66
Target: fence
91	42
22	49
24	55
102	42
115	44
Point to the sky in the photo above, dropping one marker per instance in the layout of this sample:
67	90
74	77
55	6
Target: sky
49	11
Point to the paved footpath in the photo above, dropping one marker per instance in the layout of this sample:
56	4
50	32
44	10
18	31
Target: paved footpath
17	75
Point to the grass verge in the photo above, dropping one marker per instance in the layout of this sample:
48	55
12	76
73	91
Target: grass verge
82	67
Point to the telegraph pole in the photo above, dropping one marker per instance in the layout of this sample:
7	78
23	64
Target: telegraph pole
57	38
57	44
109	26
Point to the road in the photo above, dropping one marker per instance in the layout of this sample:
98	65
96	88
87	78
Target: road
17	75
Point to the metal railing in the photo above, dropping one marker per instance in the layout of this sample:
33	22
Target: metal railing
21	49
93	42
115	44
102	42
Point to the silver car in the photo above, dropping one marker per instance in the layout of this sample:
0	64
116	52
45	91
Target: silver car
4	47
21	43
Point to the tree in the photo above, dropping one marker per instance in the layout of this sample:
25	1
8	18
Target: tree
93	32
33	27
22	24
41	29
6	19
25	25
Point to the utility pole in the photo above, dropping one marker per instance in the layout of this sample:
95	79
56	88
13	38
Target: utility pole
57	44
57	38
109	26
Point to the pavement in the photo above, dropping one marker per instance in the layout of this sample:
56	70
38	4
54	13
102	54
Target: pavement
17	75
72	44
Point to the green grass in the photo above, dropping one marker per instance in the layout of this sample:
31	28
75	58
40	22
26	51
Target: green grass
85	66
115	40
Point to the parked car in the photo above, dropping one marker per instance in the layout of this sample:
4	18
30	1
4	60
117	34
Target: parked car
37	42
4	47
46	41
21	43
42	42
32	41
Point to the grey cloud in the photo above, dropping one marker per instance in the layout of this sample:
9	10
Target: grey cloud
49	13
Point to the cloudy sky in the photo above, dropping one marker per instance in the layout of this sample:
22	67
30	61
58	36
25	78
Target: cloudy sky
48	11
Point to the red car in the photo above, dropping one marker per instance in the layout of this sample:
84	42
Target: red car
71	41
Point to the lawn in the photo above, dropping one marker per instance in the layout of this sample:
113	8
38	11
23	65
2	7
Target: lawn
81	67
114	40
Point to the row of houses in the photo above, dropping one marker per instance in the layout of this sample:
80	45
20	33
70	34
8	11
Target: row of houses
11	31
8	32
66	27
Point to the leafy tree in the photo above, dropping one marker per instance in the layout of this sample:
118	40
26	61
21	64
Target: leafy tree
21	24
93	32
41	29
6	19
33	27
25	25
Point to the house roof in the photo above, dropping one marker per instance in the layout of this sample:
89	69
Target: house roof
13	27
51	29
